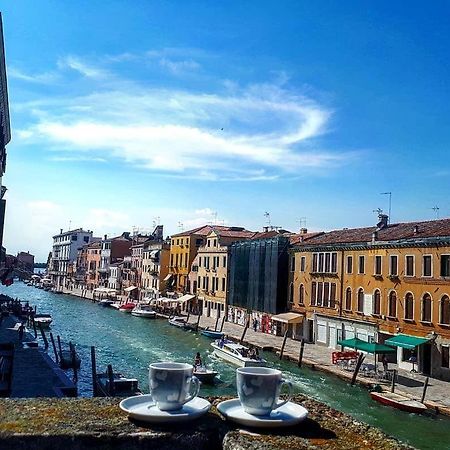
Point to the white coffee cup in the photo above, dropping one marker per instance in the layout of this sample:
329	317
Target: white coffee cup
259	389
170	384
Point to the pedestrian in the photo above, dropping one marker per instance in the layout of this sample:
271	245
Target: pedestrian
384	361
255	324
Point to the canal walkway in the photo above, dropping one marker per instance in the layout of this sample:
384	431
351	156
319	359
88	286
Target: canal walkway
319	357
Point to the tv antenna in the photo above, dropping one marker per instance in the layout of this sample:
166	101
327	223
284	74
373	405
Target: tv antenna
390	204
180	226
378	211
267	216
436	211
302	222
156	221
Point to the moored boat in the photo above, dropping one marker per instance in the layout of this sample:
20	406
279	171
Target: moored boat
105	302
127	307
121	386
43	319
399	402
212	334
144	311
236	354
180	322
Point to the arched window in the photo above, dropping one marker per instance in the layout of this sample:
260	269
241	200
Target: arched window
377	302
301	296
392	306
426	308
445	310
360	300
348	299
409	306
291	293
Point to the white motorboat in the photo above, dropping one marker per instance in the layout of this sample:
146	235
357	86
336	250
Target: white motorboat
44	319
236	354
144	311
180	322
204	374
106	302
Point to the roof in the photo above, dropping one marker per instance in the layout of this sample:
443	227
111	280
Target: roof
301	237
205	230
242	233
392	232
95	244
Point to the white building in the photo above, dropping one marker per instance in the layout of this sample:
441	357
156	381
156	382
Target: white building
64	253
115	276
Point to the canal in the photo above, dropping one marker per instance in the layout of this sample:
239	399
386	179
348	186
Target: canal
131	343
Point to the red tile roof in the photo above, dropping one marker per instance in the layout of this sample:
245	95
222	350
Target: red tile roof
393	232
205	230
302	237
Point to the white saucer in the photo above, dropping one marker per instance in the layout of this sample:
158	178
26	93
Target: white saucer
284	416
143	408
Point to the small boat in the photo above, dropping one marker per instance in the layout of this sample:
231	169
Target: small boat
57	291
69	361
115	305
236	354
180	322
121	386
127	307
44	319
105	302
212	334
399	402
143	311
205	375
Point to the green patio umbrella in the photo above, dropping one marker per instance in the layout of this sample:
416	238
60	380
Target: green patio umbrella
369	347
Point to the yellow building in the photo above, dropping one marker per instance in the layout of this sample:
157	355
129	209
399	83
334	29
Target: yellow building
378	283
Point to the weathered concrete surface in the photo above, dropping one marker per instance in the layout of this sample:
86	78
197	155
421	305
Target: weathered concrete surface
68	424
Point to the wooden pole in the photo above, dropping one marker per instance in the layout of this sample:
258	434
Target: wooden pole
59	347
394	376
223	323
357	367
217	322
187	318
34	329
198	322
73	357
111	380
300	356
284	343
425	387
94	372
44	337
54	348
245	330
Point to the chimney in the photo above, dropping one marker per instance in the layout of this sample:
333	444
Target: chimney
266	229
105	237
60	231
383	221
374	236
303	230
416	229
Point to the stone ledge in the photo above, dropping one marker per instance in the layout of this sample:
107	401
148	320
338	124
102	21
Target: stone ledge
75	424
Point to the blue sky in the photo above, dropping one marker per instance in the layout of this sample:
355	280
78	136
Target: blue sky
123	112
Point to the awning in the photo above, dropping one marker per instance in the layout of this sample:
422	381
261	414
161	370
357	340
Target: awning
154	253
168	277
369	347
105	290
406	341
129	289
288	318
185	298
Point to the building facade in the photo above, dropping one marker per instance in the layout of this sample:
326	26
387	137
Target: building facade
25	260
378	283
93	258
113	250
155	268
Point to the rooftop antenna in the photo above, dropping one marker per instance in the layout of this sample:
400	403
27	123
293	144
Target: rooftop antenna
378	211
156	221
390	203
214	214
436	211
70	224
180	226
267	216
302	222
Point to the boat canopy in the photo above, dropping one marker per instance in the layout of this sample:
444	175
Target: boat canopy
105	290
130	288
369	347
289	317
406	341
185	298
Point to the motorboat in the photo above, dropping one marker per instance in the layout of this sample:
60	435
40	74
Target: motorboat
43	319
143	311
236	354
204	374
121	386
116	305
180	322
212	334
57	291
106	302
127	307
399	402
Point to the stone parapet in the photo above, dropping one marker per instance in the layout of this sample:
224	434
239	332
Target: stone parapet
96	423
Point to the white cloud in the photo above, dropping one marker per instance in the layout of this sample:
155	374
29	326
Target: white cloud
80	66
40	78
179	67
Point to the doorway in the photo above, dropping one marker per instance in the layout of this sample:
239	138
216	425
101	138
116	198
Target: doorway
426	359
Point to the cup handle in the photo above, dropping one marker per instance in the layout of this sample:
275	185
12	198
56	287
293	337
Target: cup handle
289	394
196	389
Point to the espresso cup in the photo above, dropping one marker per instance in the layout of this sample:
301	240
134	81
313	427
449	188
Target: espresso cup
171	384
259	389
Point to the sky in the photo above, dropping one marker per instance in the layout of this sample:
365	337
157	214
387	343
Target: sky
125	114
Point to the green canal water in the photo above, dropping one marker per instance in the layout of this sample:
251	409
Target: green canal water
130	344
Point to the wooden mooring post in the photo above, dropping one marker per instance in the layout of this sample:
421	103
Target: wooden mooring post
44	337
34	329
94	372
73	357
357	367
198	322
59	346
283	344
300	356
223	323
54	348
425	387
110	381
245	331
394	377
217	322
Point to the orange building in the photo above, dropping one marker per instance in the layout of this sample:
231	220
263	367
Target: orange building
378	283
93	257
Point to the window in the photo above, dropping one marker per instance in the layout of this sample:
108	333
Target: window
74	237
445	310
445	265
313	293
327	262
348	299
409	266
200	261
326	295
319	294
360	306
301	295
223	284
445	352
291	293
293	263
361	264
427	270
393	267
426	308
302	264
86	239
314	262
377	302
392	304
409	306
324	262
332	295
321	258
224	261
349	264
377	268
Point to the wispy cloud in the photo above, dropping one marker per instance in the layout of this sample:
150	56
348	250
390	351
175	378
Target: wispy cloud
82	67
178	67
40	78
